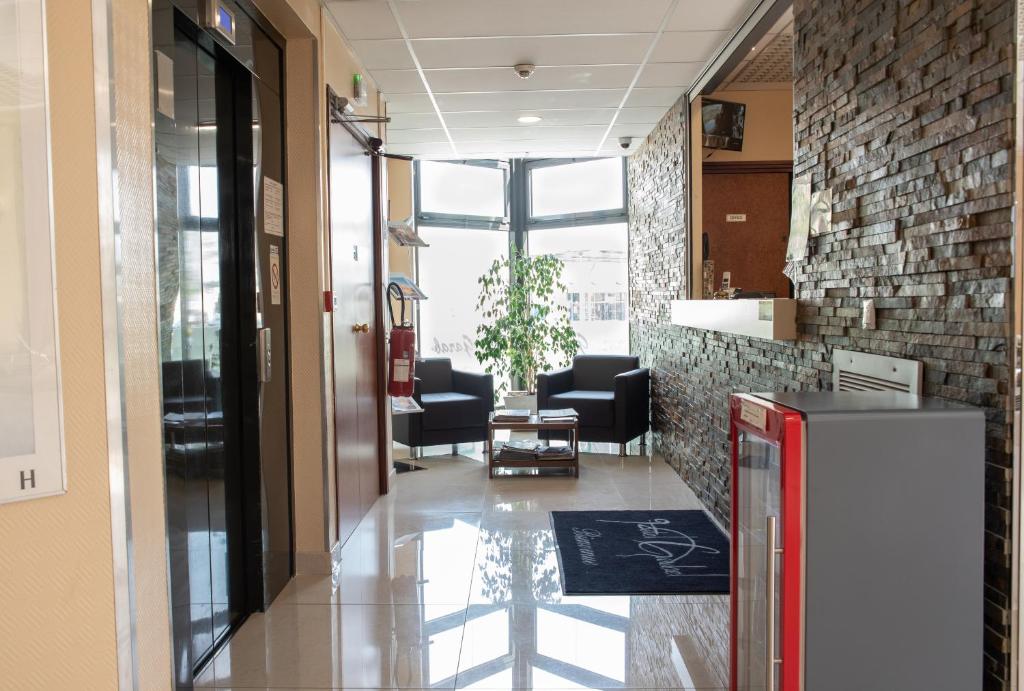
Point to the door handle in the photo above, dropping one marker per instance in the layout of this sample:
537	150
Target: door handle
771	551
265	361
361	328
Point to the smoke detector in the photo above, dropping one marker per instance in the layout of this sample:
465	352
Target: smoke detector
525	70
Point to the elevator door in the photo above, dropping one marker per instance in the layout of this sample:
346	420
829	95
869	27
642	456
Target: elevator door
352	208
204	344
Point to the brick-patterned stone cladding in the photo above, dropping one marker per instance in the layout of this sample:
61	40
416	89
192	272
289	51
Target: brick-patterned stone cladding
905	110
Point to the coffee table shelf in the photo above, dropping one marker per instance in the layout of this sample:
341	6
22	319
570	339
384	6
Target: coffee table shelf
535	424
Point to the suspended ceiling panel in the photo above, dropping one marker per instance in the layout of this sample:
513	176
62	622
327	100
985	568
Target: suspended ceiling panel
769	66
605	69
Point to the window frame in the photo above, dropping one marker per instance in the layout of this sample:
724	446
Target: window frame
518	220
570	220
449	220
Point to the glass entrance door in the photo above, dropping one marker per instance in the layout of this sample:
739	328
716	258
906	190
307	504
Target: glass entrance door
758	511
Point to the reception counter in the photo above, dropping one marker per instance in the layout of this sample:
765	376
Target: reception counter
773	319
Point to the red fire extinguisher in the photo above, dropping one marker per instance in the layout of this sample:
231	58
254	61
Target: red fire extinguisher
402	349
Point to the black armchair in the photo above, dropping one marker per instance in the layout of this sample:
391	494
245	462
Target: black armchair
611	393
455	405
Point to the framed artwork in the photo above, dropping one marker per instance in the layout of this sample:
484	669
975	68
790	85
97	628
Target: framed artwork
31	426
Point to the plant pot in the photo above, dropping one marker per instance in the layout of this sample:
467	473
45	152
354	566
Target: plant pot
520	400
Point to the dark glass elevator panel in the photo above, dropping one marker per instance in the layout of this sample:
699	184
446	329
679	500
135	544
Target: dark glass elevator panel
225	426
199	337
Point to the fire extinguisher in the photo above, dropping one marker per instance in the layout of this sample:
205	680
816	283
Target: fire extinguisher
402	348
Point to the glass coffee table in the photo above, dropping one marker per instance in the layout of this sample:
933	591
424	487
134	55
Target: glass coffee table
535	424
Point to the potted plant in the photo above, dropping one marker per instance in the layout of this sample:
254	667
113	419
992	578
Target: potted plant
525	330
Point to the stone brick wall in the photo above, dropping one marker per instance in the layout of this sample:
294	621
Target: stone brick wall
904	109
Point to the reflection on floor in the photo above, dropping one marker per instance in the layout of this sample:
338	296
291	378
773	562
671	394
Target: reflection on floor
452	582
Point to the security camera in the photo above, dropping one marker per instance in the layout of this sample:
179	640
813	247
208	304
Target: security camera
625	142
525	70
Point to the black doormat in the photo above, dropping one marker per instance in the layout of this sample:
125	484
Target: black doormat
640	552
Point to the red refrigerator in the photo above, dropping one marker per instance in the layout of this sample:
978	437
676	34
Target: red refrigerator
857	542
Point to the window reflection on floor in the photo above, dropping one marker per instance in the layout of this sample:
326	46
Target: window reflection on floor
453	582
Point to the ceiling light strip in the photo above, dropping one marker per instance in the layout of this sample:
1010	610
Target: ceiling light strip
639	70
423	76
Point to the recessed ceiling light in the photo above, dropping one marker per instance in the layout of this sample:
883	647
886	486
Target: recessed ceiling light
529	119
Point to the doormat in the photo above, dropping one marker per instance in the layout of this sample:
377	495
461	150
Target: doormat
640	552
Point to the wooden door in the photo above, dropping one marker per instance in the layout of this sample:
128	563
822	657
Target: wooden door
352	207
746	220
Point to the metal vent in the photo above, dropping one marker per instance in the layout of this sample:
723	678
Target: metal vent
853	371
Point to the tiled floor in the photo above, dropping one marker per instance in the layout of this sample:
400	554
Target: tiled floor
452	582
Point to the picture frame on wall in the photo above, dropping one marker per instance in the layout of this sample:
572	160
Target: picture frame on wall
32	455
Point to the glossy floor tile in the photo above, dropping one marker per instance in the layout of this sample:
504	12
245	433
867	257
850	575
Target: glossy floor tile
453	581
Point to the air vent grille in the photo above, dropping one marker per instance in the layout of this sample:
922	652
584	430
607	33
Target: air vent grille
853	371
851	381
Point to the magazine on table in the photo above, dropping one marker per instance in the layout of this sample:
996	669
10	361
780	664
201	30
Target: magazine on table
518	451
532	450
558	415
512	415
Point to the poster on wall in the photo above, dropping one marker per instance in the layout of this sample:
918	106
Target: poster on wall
31	430
800	220
821	212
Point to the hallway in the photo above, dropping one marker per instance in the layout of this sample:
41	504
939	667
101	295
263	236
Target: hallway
452	581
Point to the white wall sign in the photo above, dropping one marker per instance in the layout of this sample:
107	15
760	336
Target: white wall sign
735	218
31	429
273	207
275	275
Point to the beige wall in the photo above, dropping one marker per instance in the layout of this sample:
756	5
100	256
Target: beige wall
58	588
58	628
400	208
767	136
768	131
317	56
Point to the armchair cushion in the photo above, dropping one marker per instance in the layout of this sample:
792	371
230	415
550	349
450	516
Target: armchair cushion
451	410
596	408
473	384
597	372
435	374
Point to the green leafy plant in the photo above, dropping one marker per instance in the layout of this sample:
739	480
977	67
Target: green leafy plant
525	329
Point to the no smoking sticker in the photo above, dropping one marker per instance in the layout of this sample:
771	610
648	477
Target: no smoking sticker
275	275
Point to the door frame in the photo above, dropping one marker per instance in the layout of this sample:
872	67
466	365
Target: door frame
337	115
1015	482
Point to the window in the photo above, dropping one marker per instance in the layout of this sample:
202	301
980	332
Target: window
596	279
448	272
473	191
575	189
471	213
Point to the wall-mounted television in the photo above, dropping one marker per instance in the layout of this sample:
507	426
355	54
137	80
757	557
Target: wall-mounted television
723	123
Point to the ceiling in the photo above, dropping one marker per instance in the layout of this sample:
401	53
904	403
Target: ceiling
769	65
605	69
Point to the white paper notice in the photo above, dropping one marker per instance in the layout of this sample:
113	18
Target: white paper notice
275	275
754	415
273	207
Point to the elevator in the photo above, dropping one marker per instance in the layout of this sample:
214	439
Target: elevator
222	288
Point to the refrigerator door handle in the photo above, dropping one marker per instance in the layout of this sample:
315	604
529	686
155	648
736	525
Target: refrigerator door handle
771	552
